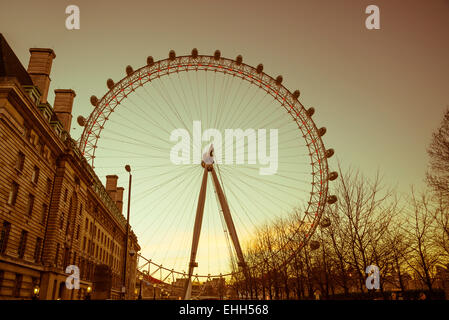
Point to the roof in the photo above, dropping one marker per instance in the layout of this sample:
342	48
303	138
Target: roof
10	66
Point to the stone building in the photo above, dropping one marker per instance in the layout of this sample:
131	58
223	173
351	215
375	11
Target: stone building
54	210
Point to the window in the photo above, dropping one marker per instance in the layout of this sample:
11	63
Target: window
66	257
44	213
41	148
22	244
67	229
61	221
87	224
30	204
55	283
35	175
4	236
84	243
37	250
77	232
20	161
17	285
57	255
13	193
65	195
48	189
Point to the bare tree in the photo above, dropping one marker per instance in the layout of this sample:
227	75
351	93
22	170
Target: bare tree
365	212
438	173
423	255
440	211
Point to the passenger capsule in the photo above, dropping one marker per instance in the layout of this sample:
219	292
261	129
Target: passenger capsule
94	101
329	153
296	94
81	121
194	53
325	222
310	112
150	61
333	175
259	68
110	83
239	59
217	54
332	199
129	70
172	55
322	131
314	245
279	80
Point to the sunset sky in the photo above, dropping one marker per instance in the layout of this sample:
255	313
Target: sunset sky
380	93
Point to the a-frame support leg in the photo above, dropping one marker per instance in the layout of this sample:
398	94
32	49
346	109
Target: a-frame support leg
196	234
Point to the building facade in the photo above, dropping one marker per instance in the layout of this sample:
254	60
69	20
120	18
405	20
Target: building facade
54	210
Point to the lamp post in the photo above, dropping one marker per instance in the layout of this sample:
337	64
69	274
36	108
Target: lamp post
128	169
140	289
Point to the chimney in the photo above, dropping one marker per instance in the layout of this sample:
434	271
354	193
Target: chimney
111	186
39	69
119	198
63	106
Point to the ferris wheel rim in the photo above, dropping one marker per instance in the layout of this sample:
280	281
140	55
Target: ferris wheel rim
119	91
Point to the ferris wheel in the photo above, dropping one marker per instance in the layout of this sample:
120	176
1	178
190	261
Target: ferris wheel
218	149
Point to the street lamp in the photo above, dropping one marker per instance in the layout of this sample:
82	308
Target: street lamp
36	293
128	169
89	290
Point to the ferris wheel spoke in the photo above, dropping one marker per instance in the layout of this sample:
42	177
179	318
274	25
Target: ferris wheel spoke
182	101
173	234
268	194
228	114
168	209
170	107
173	105
147	117
231	186
265	181
136	129
184	174
147	133
186	236
242	207
221	101
156	107
186	100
